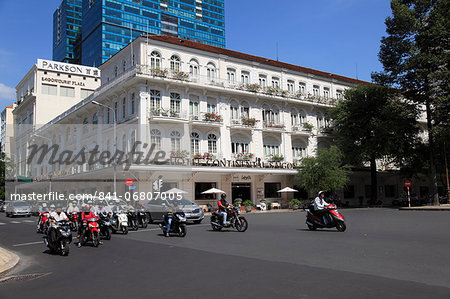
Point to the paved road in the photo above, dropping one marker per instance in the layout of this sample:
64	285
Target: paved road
383	254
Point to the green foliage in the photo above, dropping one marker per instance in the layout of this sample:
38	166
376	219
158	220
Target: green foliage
248	203
323	172
373	122
295	201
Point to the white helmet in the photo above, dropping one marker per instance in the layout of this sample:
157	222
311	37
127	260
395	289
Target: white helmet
44	205
320	192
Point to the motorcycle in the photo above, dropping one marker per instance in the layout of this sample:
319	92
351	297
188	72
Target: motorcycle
334	219
178	225
90	232
104	224
42	225
133	221
119	222
236	221
58	237
142	219
73	217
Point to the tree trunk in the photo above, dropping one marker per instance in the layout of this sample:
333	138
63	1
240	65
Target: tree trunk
373	179
434	188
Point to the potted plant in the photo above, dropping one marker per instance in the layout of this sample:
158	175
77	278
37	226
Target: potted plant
269	205
159	72
179	75
295	204
276	158
253	87
197	156
174	113
212	117
250	122
307	126
244	156
208	156
248	204
238	202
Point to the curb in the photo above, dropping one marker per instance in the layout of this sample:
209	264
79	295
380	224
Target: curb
426	208
8	260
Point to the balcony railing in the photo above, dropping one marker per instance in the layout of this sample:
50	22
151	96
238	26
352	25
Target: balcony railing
228	84
167	113
244	122
273	125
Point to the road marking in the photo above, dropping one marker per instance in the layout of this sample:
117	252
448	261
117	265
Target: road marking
26	244
153	229
15	222
1	223
29	221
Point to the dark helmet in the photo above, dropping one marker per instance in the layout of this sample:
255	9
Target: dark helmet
223	195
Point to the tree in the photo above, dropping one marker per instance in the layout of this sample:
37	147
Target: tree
323	172
415	57
373	122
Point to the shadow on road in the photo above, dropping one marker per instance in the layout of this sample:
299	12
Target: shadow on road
318	230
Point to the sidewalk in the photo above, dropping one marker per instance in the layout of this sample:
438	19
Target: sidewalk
7	260
444	207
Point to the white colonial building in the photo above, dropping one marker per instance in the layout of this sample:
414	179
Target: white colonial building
225	119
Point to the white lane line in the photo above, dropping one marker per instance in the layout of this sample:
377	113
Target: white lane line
26	244
1	223
29	221
15	222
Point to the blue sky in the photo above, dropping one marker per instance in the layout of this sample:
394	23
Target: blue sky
328	35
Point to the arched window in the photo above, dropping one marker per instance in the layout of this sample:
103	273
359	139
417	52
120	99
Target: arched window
193	68
195	143
124	108
212	143
270	116
155	102
155	60
193	106
85	125
175	140
175	63
298	149
155	138
95	119
320	120
132	108
175	104
124	143
245	110
234	109
211	71
132	139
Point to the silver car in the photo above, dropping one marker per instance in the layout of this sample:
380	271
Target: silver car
18	208
158	208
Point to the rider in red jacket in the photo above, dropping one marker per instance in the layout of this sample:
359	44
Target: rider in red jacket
85	215
223	207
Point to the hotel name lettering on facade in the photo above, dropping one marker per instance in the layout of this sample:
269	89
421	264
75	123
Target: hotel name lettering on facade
247	164
61	81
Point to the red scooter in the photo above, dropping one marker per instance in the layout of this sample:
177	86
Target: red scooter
90	232
333	218
42	225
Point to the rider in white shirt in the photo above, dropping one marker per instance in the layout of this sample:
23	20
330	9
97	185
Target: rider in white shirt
72	209
102	210
59	215
319	206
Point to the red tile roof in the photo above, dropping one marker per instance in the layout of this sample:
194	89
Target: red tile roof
240	55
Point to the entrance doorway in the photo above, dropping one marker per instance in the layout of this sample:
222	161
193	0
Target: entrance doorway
242	191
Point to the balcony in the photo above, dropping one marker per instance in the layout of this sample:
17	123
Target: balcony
244	123
255	88
278	126
207	119
302	129
161	114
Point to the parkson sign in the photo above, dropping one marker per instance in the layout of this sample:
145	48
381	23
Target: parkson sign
68	68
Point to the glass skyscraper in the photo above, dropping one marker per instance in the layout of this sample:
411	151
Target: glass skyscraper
109	25
67	32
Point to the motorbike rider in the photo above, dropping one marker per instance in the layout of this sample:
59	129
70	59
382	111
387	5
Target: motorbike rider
171	210
52	208
72	209
59	215
319	206
223	206
101	210
85	215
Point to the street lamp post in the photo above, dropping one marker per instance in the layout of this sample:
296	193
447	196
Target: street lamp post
115	141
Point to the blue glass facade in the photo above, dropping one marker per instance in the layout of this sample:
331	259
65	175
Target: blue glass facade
67	32
108	25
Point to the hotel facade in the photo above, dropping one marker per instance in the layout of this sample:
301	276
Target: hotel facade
224	119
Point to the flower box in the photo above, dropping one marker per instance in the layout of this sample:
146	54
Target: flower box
244	156
159	72
178	154
250	122
212	117
178	75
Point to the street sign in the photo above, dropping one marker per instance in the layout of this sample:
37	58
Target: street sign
129	182
132	187
407	183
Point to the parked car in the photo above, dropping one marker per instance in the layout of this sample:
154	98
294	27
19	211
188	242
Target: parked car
158	208
18	208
